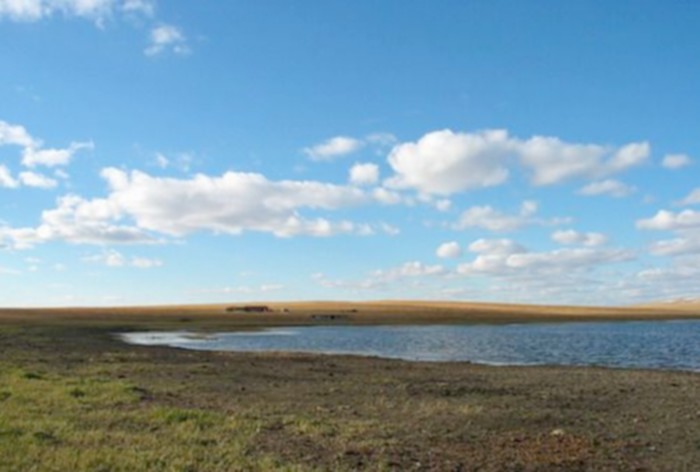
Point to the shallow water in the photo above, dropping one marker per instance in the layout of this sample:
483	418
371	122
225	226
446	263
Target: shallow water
656	345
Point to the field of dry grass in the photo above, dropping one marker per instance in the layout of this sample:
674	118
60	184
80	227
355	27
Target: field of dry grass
376	312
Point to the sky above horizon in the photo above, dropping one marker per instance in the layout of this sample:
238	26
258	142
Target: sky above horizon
211	152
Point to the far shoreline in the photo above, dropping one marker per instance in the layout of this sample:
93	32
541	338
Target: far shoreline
397	312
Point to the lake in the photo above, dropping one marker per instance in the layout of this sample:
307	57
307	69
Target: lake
652	344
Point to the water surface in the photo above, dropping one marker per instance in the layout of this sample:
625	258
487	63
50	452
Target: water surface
651	344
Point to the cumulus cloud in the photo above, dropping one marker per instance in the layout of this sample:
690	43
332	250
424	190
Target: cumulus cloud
446	162
162	37
139	205
33	179
409	269
383	278
112	258
449	250
611	187
688	244
97	11
686	226
242	289
665	220
78	221
552	161
6	179
15	135
333	148
443	205
144	7
231	203
165	38
364	174
486	217
676	161
499	247
387	197
339	146
678	281
574	237
35	156
504	258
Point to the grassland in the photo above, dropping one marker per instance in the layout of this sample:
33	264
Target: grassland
72	397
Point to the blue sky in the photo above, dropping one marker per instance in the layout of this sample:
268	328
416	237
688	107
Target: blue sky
195	152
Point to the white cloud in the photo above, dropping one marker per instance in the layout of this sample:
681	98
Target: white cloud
139	205
665	220
505	258
33	179
500	247
688	244
144	7
339	146
166	38
34	156
364	174
409	269
6	179
95	10
443	205
15	135
611	187
444	162
333	148
381	140
628	156
486	217
677	281
381	279
112	258
243	289
553	161
574	237
21	10
232	203
676	161
693	198
162	38
449	250
686	226
78	221
387	197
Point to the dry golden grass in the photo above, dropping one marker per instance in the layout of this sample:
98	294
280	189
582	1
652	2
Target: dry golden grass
373	312
681	305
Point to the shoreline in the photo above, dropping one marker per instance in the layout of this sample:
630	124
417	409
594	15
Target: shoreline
351	313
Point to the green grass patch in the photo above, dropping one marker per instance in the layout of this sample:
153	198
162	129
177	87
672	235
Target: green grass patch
84	422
